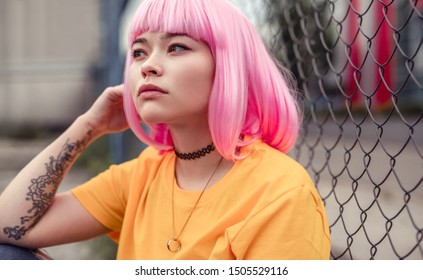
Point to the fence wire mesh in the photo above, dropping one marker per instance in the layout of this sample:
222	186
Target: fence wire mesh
359	66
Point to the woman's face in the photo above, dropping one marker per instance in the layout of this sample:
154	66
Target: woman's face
171	78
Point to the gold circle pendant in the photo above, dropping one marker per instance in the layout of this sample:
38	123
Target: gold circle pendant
174	245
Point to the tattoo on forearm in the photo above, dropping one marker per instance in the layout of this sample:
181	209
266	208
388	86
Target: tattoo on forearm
42	190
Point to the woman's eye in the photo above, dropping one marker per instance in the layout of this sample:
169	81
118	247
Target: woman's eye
177	48
138	53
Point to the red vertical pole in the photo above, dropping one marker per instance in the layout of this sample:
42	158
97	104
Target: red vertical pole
384	47
354	54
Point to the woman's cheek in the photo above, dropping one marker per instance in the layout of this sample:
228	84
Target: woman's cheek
134	76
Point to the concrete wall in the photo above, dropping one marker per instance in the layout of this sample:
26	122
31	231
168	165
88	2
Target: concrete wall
48	49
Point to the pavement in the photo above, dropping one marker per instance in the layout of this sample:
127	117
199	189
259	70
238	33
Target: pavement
371	178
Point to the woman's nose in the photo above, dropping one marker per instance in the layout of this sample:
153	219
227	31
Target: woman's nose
150	68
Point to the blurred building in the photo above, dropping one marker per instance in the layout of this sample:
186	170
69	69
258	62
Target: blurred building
49	53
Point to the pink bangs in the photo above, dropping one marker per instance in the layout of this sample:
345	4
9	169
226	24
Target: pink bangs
176	16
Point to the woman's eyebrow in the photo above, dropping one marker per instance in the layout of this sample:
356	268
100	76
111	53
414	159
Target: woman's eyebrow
139	41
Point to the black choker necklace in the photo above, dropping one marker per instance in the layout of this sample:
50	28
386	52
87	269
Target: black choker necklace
196	154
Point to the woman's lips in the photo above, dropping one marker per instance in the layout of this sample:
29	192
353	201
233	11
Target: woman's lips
148	91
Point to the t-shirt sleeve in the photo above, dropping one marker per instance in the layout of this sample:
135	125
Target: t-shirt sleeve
105	195
293	226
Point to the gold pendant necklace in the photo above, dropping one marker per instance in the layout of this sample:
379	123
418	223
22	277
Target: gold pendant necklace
174	244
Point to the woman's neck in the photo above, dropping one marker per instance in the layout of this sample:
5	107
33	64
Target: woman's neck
193	174
190	138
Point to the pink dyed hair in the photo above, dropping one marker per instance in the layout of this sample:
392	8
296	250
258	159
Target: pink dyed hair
250	96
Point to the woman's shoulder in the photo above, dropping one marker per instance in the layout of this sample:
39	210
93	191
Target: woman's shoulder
265	157
270	168
278	176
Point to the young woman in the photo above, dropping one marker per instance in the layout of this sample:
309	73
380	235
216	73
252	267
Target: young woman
215	182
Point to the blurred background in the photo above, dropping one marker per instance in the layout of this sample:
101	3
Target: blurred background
358	65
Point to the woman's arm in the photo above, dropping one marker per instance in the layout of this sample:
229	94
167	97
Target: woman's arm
30	213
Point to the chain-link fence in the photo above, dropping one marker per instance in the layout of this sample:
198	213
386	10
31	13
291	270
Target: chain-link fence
359	65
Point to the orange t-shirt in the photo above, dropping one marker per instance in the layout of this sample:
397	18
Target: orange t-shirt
265	207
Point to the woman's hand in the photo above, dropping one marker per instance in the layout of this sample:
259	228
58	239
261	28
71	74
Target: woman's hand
107	115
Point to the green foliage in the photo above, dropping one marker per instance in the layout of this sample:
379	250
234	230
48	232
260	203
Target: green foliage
103	248
96	158
302	37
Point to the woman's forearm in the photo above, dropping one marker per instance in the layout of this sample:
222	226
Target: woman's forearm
32	191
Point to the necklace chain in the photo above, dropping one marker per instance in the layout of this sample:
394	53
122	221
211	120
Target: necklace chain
174	244
197	154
